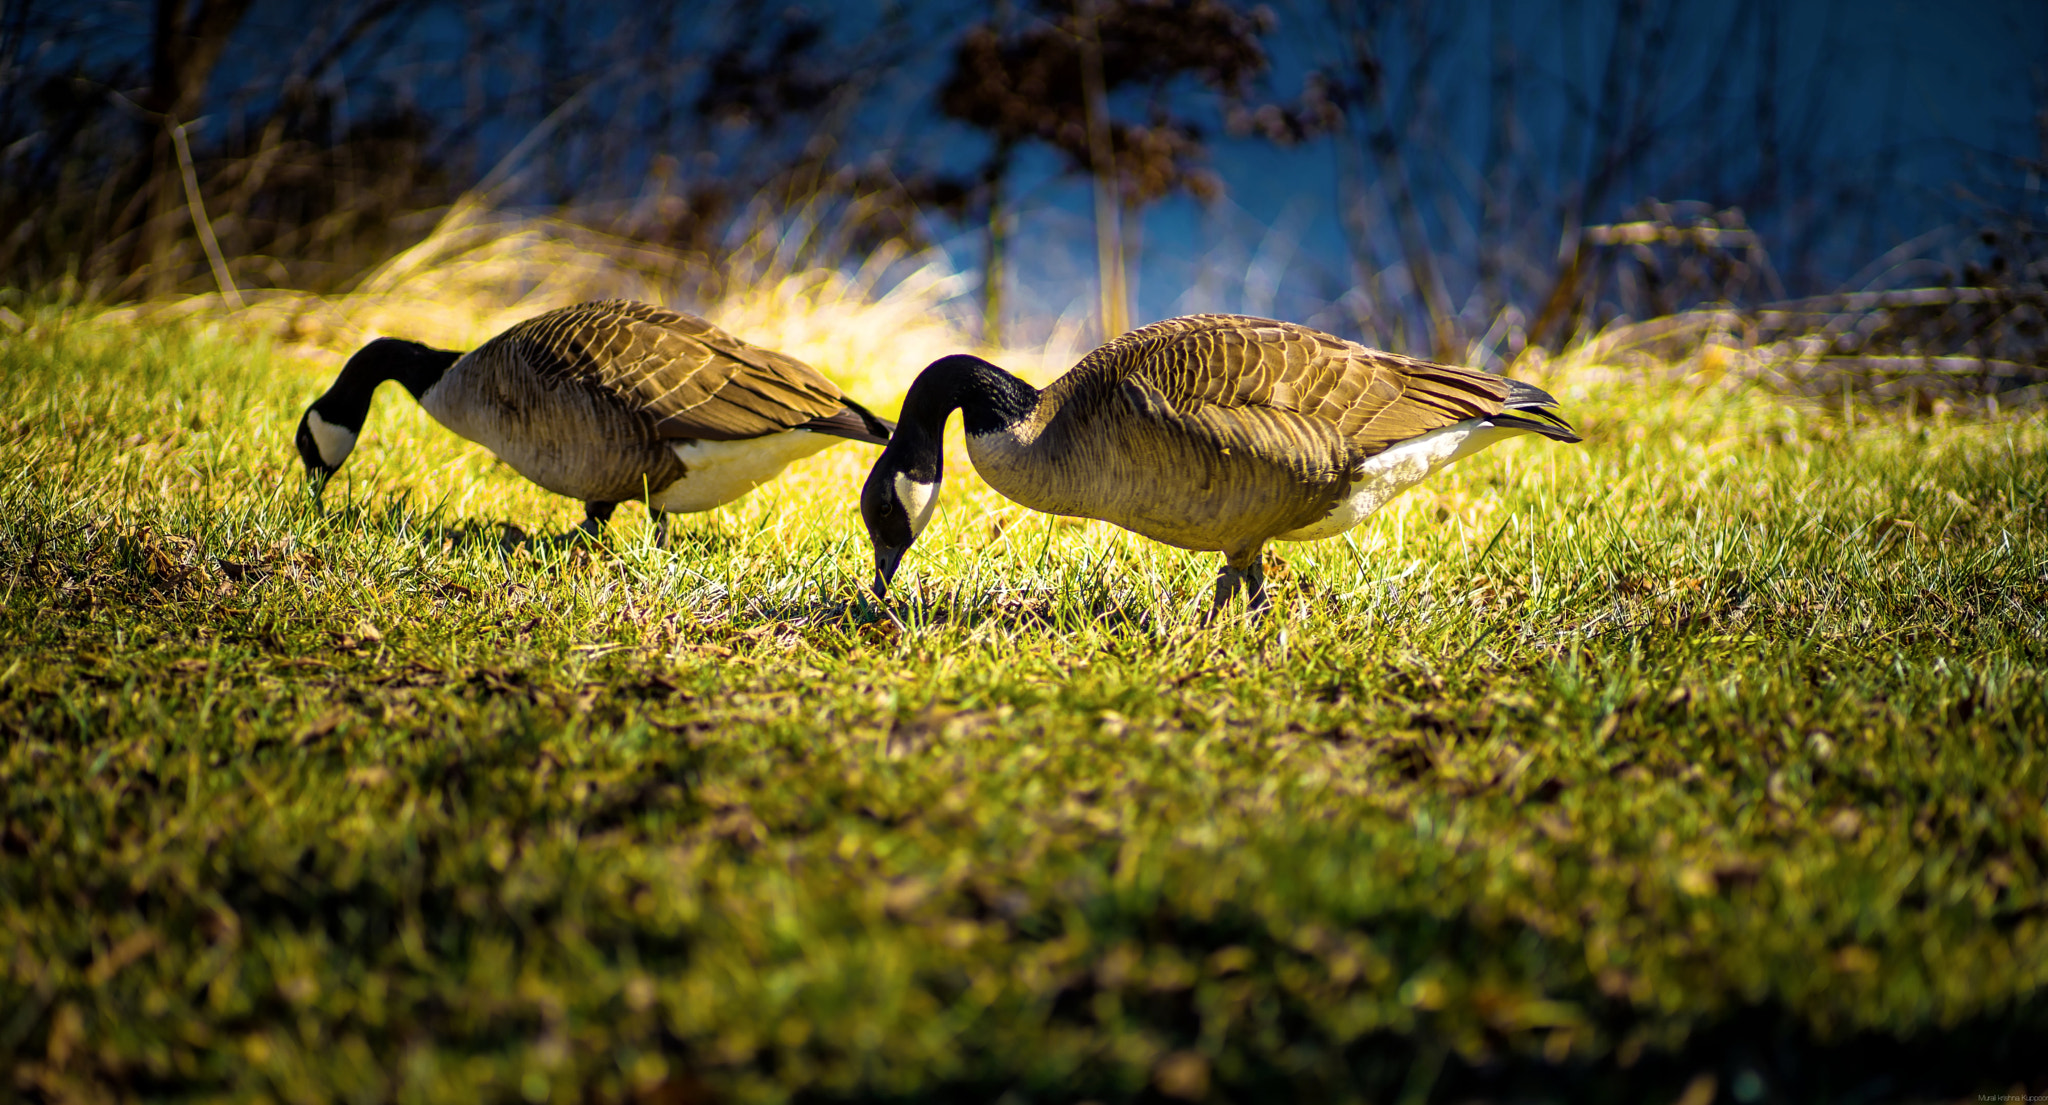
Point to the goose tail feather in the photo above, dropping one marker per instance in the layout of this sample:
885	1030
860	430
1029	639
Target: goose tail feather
855	422
1535	410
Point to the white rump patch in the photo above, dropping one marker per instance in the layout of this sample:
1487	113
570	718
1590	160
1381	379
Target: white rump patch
918	501
1399	468
717	472
335	442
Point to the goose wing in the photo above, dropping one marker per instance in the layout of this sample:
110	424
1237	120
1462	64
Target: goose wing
693	380
1259	378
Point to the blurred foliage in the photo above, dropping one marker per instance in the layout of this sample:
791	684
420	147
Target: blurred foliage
1479	150
1974	339
1051	77
1701	758
316	163
1019	80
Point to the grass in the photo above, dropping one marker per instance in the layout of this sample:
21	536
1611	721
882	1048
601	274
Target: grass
1704	759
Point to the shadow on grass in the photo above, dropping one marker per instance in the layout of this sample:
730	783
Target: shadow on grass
1025	610
1763	1053
1756	1055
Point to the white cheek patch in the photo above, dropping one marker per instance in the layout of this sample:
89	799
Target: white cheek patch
918	500
335	442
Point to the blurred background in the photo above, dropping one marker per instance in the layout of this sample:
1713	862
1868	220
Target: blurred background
1469	179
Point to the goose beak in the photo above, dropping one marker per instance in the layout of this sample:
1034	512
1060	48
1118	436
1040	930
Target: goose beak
886	560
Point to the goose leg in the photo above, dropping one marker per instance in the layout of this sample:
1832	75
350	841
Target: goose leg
595	515
1240	568
660	526
1227	582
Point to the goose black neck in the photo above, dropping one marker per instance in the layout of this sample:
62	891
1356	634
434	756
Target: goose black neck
416	367
987	398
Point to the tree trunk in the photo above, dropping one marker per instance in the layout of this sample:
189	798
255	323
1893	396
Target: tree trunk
186	42
1495	195
1109	254
993	263
996	254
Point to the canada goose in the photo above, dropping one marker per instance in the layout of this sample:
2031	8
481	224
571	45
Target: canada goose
606	402
1212	432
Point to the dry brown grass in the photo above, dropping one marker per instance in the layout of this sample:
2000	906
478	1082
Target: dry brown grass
480	271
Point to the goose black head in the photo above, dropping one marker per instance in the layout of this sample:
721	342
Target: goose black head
323	445
328	431
897	501
904	485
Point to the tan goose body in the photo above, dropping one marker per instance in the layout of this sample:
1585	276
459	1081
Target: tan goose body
1221	432
611	401
1152	476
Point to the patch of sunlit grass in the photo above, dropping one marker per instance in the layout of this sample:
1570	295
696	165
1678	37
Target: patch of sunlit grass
1710	745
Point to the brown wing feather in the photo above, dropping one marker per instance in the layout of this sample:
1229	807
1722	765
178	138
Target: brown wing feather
695	381
1229	367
